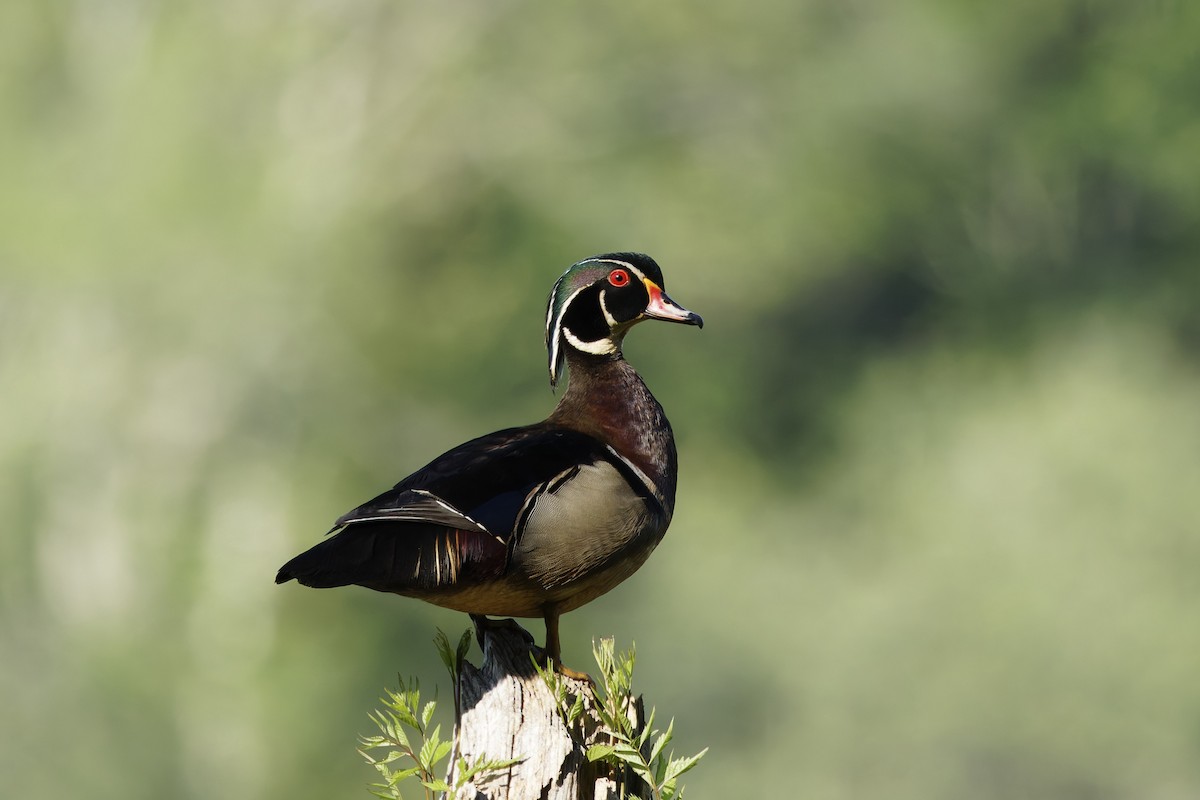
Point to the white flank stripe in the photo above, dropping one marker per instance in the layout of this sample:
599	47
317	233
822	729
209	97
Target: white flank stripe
645	479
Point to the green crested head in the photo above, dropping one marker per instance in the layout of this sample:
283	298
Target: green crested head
599	299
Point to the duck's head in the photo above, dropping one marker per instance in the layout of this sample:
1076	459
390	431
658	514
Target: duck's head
599	299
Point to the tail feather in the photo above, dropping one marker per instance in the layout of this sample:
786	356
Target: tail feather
397	557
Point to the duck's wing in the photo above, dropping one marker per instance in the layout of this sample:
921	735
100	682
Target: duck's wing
455	521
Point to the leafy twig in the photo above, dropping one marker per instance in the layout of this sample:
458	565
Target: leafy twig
405	734
629	741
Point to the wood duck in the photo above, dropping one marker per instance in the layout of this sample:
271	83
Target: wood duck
538	520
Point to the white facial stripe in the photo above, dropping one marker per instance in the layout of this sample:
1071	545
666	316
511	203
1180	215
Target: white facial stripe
600	347
554	362
553	325
624	264
550	306
609	318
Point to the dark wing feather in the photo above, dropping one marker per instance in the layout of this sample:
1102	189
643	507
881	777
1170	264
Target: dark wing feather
411	505
398	557
452	522
485	482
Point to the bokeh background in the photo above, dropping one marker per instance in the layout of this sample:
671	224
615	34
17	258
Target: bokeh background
940	437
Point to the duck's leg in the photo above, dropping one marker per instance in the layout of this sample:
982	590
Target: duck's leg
554	646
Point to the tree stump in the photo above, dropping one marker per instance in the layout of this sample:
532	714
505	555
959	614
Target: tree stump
505	710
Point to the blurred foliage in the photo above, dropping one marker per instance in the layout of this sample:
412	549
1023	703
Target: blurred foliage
936	533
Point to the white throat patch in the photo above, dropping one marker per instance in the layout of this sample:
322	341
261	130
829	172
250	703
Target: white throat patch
600	347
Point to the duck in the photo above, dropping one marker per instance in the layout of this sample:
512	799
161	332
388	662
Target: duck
533	521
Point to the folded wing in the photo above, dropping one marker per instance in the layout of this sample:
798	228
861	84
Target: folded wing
452	523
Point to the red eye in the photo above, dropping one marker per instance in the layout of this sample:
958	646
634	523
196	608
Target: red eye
618	278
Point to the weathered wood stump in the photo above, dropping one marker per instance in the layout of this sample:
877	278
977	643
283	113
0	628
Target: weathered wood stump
505	710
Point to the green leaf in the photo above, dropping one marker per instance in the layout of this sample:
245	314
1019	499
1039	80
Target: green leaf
682	765
403	708
394	755
441	751
659	768
466	773
643	736
599	752
661	741
464	645
576	710
436	785
427	713
394	730
453	658
404	773
428	748
628	753
442	643
547	673
389	726
433	750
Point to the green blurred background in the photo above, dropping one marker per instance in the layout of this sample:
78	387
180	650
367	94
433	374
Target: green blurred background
940	437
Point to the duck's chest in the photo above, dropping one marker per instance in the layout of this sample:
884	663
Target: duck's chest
619	410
